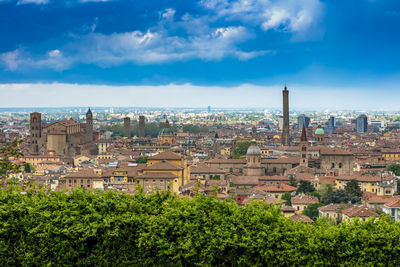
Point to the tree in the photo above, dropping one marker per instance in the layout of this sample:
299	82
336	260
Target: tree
6	165
340	196
292	181
352	188
312	210
241	149
305	187
216	177
326	189
141	160
288	197
395	168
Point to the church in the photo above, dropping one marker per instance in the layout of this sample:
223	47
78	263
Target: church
66	138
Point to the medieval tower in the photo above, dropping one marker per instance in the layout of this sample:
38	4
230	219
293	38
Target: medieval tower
89	125
285	132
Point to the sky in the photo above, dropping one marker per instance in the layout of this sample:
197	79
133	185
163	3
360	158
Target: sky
224	53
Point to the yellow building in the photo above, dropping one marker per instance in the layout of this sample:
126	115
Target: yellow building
79	159
390	154
35	160
372	184
168	164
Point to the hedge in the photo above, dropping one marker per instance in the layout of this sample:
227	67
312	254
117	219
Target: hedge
97	229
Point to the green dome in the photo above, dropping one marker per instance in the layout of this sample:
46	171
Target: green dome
319	131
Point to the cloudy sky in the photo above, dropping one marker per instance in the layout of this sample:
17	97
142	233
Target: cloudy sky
226	53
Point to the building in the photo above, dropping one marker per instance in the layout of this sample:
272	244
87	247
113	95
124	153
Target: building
127	127
285	131
362	124
166	136
253	166
333	211
319	135
301	202
36	131
392	208
66	138
142	127
303	148
303	120
358	211
336	161
331	124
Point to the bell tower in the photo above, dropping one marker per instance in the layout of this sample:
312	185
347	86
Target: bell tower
303	148
89	125
35	130
285	132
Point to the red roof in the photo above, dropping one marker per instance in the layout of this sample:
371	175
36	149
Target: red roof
275	188
359	211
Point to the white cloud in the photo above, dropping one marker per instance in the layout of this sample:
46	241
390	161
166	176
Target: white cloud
38	2
290	15
154	46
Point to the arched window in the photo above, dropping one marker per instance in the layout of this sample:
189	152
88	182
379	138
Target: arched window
340	165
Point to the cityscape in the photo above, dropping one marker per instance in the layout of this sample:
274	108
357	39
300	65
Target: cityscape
199	133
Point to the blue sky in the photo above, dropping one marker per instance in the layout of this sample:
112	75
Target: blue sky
320	48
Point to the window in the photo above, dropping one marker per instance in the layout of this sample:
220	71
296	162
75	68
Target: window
240	170
340	165
230	169
303	156
274	170
393	212
88	185
333	165
81	181
303	148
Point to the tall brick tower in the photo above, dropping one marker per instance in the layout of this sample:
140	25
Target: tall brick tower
303	148
89	125
35	130
141	126
127	127
285	132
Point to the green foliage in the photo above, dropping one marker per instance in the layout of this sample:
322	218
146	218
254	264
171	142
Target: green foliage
241	149
352	188
6	165
288	197
395	168
292	181
305	187
340	196
142	160
216	177
312	210
111	229
315	194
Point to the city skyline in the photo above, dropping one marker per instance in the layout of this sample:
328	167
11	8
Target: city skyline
198	50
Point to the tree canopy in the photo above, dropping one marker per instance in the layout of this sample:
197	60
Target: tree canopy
305	187
241	149
92	228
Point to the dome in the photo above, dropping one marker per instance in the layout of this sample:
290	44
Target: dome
319	130
253	149
166	131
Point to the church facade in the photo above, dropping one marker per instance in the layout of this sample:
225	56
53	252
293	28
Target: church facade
67	138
